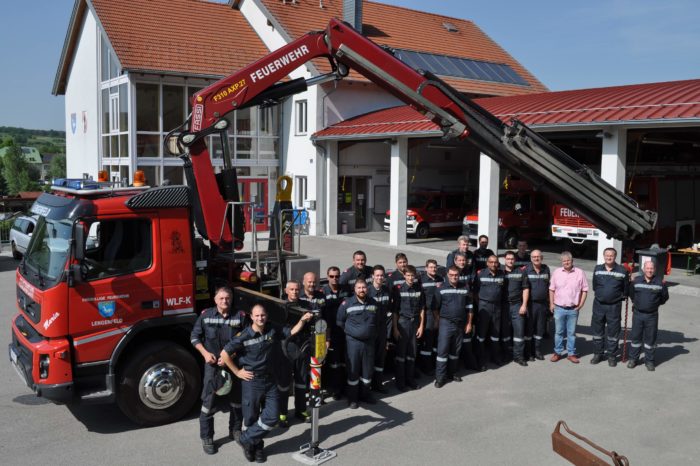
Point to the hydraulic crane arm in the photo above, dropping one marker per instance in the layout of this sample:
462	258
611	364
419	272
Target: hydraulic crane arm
512	144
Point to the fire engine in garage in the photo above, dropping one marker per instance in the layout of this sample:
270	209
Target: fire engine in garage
677	198
107	292
523	214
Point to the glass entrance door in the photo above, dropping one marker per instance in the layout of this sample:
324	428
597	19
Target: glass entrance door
352	204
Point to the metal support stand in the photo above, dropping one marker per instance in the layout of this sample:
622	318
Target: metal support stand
311	453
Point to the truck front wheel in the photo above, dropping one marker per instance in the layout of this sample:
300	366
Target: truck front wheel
159	384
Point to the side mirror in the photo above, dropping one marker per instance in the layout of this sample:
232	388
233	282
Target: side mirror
75	275
78	241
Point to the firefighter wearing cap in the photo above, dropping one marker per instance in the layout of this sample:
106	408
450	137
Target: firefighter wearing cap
255	348
648	292
611	287
454	313
358	317
214	328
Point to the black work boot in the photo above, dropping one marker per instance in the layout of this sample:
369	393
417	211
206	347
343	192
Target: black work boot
633	363
597	358
650	366
260	456
248	450
612	361
208	446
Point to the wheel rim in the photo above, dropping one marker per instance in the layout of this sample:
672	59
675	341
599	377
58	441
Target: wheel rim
161	386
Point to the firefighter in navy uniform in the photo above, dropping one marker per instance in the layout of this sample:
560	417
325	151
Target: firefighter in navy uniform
358	316
518	287
381	293
522	258
538	275
463	247
408	302
255	348
294	364
334	379
482	253
214	328
429	280
489	293
454	314
648	292
611	287
311	299
396	277
464	264
359	267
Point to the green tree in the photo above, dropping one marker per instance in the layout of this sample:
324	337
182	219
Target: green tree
16	171
57	169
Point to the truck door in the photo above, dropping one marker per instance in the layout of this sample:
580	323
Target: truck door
121	283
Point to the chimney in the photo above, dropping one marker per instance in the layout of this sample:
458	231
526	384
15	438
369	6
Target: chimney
352	13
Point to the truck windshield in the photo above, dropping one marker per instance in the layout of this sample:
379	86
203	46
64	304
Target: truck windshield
48	250
416	201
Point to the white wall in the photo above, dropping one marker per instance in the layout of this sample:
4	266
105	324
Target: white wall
347	99
82	94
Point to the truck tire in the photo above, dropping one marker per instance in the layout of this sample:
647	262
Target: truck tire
510	241
15	253
422	230
159	384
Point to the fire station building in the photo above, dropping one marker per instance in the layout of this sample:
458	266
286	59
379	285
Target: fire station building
128	68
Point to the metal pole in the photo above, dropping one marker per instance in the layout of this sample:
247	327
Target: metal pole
311	453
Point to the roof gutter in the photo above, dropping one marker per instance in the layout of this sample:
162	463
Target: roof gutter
354	137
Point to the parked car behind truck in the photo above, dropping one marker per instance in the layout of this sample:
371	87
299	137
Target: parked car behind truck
20	234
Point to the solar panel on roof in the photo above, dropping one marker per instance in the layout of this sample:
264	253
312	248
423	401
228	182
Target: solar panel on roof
444	65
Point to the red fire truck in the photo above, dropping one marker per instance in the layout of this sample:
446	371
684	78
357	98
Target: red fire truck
677	224
107	292
523	214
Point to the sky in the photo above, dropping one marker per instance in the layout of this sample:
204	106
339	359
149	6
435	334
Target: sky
567	45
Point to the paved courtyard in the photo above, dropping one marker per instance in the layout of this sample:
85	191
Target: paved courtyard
504	416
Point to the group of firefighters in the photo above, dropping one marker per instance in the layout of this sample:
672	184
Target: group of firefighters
475	310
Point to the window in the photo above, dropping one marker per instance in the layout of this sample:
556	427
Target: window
301	117
117	247
301	191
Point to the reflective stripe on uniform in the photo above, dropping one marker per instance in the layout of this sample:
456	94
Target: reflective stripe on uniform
283	389
300	385
378	369
648	346
365	381
492	339
398	359
516	339
425	353
439	359
353	382
636	345
264	426
452	357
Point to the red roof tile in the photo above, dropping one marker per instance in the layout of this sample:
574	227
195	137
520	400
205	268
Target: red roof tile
639	102
408	29
180	36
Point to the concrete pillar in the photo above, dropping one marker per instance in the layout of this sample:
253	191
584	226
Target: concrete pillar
398	203
331	191
612	170
489	188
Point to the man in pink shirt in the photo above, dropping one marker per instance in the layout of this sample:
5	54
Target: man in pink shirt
568	288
